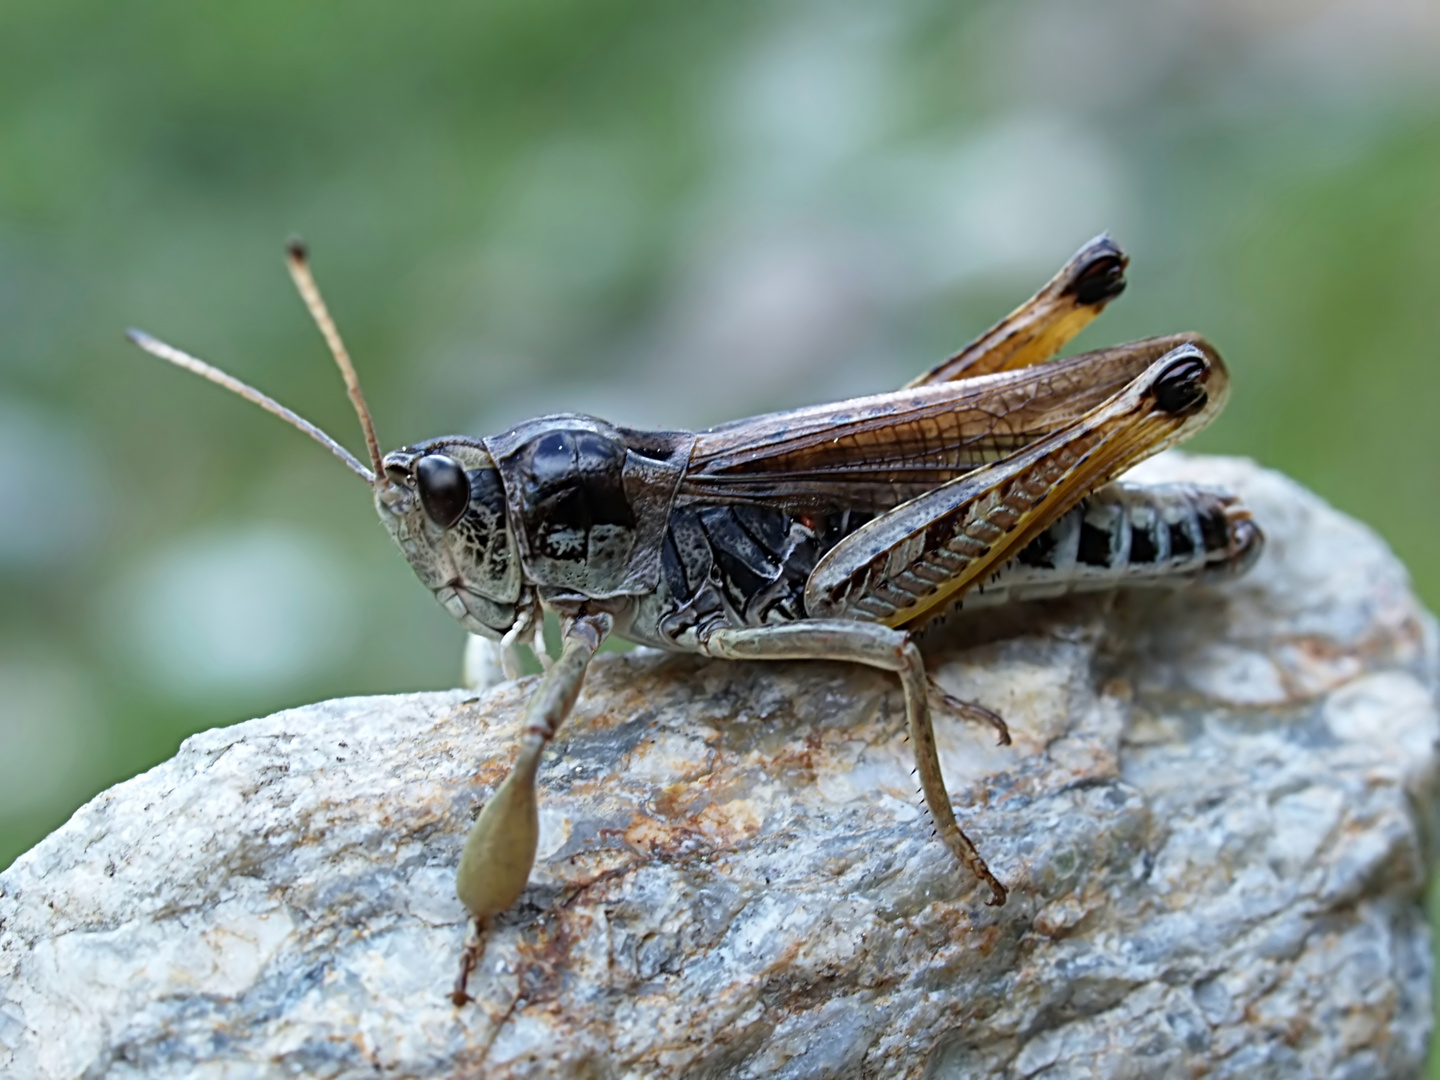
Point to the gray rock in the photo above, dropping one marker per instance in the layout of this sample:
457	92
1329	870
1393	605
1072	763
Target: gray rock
1215	822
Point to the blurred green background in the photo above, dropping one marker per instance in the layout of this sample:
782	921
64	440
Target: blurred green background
667	214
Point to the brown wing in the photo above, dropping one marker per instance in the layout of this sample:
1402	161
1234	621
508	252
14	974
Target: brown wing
918	557
874	453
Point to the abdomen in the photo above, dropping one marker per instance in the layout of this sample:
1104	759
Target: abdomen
744	565
1129	536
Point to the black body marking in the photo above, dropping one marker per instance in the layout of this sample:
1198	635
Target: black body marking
1040	552
1142	545
1181	542
1094	545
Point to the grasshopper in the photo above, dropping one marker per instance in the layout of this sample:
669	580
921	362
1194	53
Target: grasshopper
829	532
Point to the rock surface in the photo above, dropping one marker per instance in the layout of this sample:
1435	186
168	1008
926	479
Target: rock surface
1215	822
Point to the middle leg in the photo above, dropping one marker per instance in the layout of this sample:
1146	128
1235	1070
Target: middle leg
880	647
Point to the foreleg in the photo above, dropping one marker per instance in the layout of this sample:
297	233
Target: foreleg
500	850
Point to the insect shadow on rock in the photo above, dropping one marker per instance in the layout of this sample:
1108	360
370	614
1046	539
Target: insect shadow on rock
829	532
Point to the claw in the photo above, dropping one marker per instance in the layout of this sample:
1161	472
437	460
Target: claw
968	710
470	959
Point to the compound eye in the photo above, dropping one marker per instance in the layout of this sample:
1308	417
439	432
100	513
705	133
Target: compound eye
1180	387
444	489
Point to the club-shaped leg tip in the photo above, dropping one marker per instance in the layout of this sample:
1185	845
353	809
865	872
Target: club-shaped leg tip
500	849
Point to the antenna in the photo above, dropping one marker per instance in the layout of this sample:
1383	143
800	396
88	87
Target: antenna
297	259
156	347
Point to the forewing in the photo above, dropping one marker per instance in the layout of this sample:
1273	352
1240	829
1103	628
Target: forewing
877	452
908	562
